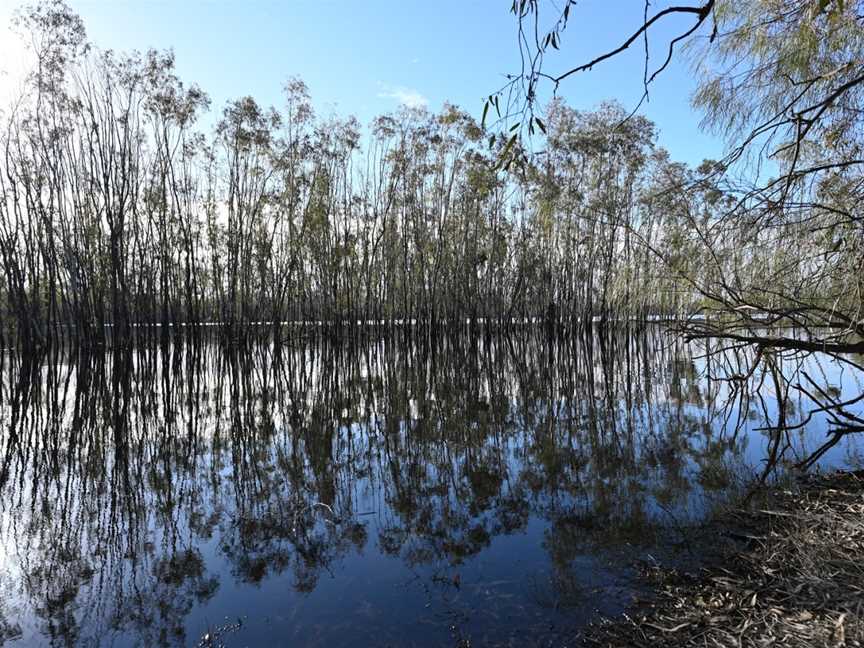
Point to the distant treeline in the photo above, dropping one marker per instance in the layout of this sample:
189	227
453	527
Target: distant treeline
121	207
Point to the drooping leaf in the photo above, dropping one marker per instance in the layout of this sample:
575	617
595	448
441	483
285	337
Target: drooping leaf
540	124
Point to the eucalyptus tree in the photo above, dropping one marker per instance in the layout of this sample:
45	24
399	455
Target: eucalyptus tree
119	209
243	150
772	233
34	167
171	233
782	81
787	78
591	178
294	172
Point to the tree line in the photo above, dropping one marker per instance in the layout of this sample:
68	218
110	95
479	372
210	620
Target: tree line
126	203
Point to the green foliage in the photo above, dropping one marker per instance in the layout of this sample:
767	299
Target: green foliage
116	207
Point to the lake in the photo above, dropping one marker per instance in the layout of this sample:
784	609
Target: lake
491	490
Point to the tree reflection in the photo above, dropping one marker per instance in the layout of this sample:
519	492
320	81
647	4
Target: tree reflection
127	479
790	391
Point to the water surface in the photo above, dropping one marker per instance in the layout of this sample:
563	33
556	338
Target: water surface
502	491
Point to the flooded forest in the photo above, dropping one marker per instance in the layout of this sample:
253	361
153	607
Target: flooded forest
450	378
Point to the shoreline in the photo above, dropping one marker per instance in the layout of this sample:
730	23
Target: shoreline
794	577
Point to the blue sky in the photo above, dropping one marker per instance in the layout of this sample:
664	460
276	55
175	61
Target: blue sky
364	57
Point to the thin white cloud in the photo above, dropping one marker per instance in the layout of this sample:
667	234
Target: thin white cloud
406	96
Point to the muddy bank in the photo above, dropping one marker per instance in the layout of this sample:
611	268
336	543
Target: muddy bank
794	576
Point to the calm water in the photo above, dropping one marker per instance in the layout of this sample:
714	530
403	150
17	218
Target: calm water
500	492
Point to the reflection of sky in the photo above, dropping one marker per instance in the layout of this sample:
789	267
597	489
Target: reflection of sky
505	491
829	373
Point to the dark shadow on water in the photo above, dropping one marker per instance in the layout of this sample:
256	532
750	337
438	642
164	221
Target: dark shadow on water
500	489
